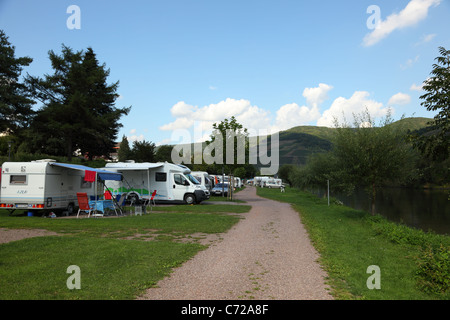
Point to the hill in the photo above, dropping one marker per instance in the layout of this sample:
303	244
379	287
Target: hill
298	143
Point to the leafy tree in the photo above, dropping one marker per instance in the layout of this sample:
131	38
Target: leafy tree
78	109
370	156
124	150
164	153
435	142
15	101
143	151
233	134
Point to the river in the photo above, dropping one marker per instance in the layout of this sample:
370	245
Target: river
426	209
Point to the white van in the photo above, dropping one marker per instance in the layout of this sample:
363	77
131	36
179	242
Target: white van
172	182
273	183
48	185
203	178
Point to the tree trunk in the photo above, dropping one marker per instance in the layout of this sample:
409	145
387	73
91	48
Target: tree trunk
374	194
69	149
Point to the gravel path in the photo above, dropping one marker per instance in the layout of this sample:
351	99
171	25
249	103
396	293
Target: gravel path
267	255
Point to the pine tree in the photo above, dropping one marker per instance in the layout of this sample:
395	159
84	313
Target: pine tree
78	109
15	102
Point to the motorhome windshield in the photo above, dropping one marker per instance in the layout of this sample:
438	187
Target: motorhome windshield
192	179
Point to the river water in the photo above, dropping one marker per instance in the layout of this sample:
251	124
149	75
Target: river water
426	209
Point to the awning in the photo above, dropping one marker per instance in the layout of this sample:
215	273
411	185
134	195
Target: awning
102	174
124	166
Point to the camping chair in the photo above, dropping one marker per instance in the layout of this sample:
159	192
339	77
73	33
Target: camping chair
118	203
83	203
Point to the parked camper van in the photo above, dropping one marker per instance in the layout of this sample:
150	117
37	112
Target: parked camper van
273	183
203	178
172	183
47	185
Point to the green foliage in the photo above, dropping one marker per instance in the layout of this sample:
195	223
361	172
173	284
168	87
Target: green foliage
434	144
433	272
124	150
15	99
164	153
78	109
143	151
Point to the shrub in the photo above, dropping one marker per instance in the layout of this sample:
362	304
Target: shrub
433	274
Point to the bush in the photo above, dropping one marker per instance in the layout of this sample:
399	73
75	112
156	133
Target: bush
433	274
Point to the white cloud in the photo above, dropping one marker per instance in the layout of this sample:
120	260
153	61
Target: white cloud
357	103
315	96
415	87
251	117
409	63
415	11
212	88
135	137
292	115
399	99
426	38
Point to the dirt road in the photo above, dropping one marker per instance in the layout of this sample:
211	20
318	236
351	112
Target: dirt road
267	255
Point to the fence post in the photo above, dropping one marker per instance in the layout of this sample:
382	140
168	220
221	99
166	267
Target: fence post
328	191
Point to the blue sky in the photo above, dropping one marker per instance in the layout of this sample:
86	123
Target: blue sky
272	64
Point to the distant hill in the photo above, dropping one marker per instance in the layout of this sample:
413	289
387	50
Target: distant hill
298	143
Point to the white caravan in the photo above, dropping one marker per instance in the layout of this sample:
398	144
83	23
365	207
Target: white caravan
274	183
203	178
170	182
261	181
48	185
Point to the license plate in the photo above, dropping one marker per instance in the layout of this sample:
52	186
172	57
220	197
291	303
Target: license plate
22	205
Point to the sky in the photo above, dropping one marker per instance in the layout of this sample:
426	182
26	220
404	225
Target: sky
183	65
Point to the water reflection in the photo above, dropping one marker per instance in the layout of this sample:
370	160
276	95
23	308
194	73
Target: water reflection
426	209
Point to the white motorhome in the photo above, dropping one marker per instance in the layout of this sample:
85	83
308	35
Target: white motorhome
170	182
48	185
203	178
274	183
261	181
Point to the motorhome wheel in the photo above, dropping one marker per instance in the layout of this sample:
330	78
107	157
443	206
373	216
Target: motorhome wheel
189	198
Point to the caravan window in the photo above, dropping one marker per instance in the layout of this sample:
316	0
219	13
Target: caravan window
160	176
179	179
85	184
18	179
192	179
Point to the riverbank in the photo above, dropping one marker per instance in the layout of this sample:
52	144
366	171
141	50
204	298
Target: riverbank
412	264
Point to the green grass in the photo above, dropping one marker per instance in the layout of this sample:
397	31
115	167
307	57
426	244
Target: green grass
111	267
350	241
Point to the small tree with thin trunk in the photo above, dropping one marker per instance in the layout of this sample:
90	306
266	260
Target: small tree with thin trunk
370	156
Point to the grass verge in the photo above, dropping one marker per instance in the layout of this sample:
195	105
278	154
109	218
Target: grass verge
349	241
111	267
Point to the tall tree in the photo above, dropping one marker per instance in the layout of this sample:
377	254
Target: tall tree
235	144
435	143
15	101
78	105
164	153
124	150
143	151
